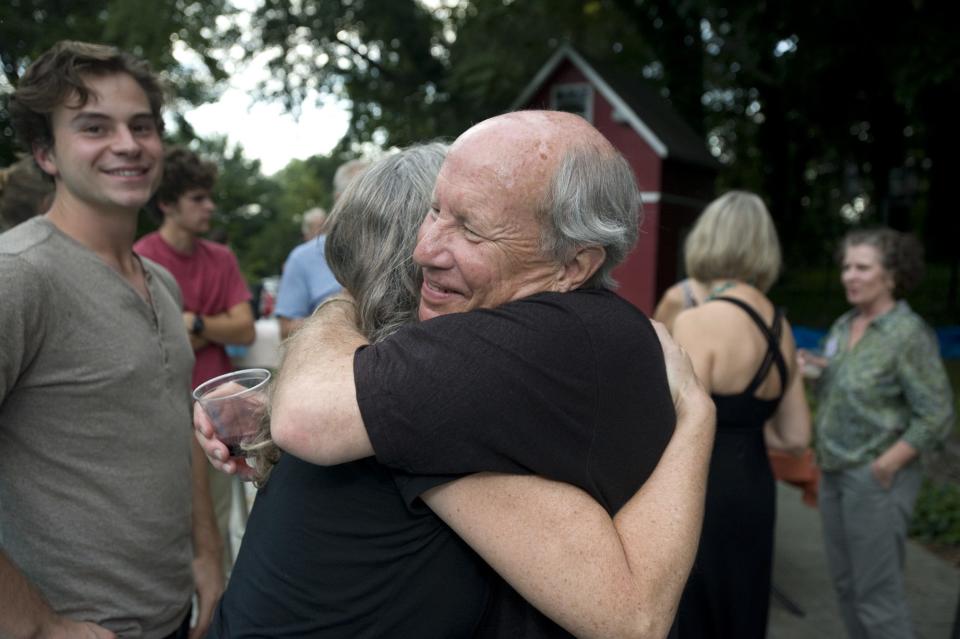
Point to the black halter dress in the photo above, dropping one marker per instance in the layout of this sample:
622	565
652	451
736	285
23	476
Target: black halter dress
728	593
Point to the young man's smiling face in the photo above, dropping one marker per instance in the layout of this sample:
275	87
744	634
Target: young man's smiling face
107	155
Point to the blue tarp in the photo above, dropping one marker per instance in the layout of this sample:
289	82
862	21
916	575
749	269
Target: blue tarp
949	337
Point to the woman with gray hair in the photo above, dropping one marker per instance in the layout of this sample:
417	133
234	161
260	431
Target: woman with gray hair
883	399
743	351
328	550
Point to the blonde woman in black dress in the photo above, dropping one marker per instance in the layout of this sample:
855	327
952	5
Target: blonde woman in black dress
743	351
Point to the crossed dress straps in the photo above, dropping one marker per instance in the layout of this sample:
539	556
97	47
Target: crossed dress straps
774	356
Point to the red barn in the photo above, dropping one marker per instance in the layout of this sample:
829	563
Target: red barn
674	170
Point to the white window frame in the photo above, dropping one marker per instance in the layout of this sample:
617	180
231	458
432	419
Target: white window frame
587	90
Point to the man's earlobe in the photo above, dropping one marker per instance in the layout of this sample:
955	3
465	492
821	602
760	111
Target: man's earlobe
581	267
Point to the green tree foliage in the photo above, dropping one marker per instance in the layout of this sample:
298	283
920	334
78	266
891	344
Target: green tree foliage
355	50
305	184
936	516
258	231
411	73
301	185
827	111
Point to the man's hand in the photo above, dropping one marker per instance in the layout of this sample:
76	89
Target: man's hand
811	365
208	581
685	387
25	613
215	450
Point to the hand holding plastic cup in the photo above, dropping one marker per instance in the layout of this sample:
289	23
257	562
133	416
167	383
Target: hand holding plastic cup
235	403
812	362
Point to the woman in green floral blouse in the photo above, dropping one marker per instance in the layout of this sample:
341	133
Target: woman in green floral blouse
883	399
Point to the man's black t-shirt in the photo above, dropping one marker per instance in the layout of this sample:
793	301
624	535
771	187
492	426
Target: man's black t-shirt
336	552
569	386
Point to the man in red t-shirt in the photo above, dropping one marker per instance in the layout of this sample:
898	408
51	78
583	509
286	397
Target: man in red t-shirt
216	308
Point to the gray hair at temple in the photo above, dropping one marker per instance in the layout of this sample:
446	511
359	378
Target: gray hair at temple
373	230
345	174
592	200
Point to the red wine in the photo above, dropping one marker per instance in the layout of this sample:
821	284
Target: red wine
233	445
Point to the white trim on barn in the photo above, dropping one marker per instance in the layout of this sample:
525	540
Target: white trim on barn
621	109
649	197
654	197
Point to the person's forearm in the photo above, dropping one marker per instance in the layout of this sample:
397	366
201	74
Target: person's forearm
314	412
789	430
204	531
773	441
208	577
561	551
24	612
897	456
224	328
289	326
886	466
660	526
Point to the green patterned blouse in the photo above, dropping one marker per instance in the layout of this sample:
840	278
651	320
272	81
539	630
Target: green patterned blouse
891	386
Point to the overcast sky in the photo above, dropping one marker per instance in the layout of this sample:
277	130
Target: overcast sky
265	131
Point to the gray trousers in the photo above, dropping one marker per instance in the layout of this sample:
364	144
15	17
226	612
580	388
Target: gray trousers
865	532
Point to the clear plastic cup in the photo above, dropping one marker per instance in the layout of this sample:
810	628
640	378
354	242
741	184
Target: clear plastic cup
813	363
236	403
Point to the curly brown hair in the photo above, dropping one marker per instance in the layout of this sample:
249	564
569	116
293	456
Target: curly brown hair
183	170
59	75
901	254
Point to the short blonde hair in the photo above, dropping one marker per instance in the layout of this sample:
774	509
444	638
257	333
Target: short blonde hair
734	238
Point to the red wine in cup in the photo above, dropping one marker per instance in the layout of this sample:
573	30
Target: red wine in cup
234	445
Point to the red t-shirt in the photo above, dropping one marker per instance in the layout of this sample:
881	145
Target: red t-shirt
211	283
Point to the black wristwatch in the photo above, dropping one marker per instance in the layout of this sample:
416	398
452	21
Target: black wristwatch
197	325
